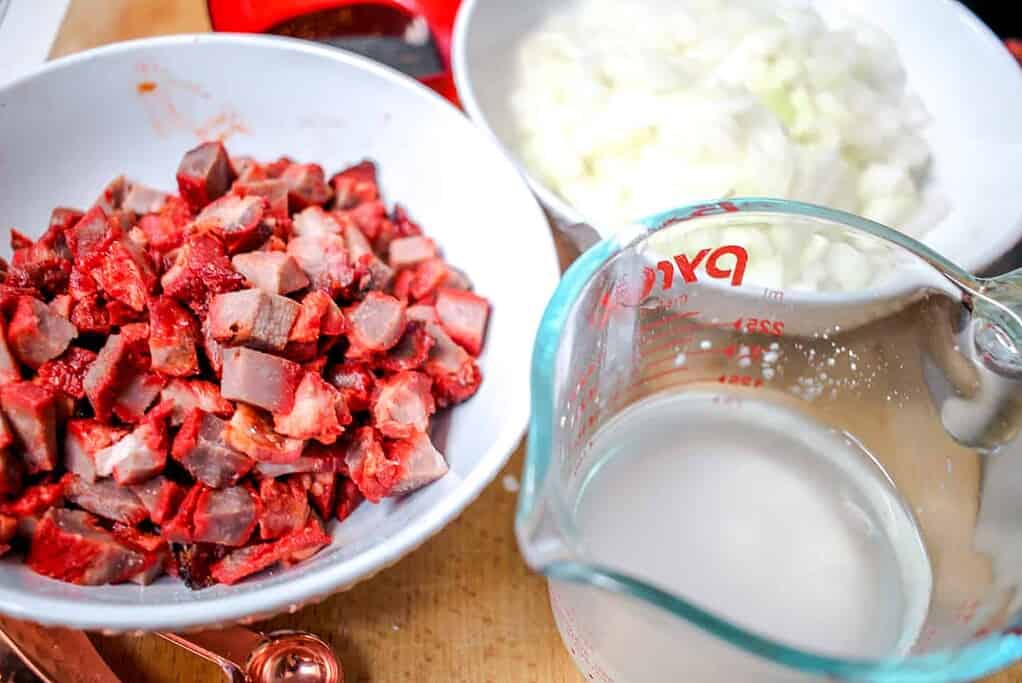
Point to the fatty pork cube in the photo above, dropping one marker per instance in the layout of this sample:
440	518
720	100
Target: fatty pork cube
201	447
306	185
152	547
361	252
283	508
225	516
107	499
381	469
31	410
259	556
377	322
355	185
319	412
402	404
260	379
421	462
172	336
88	554
137	393
463	315
140	455
406	252
142	199
324	259
315	222
9	371
274	191
455	374
319	316
37	334
204	174
84	439
185	395
355	382
253	318
160	496
115	365
236	220
251	432
273	272
368	465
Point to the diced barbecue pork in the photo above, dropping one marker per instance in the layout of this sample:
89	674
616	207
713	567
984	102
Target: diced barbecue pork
402	404
67	372
411	352
153	548
253	318
225	516
316	458
315	222
421	462
455	374
283	509
205	174
172	338
185	395
321	488
141	199
377	322
140	455
369	467
324	259
160	496
355	185
319	316
200	270
260	379
88	555
138	391
31	410
273	272
463	315
84	439
306	184
259	556
201	447
319	412
104	497
355	382
273	191
9	371
380	275
236	220
406	252
36	334
119	359
34	499
251	432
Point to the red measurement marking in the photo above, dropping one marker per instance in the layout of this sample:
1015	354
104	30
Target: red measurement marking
759	326
741	380
649	351
680	315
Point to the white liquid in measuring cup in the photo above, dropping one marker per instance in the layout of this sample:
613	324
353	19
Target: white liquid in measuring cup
754	513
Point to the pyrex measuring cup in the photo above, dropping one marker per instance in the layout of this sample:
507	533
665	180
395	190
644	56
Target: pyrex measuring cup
746	468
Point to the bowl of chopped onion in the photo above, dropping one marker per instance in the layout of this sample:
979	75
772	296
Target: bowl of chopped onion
615	111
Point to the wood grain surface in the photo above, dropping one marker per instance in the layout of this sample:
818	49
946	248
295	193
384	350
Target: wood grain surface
462	608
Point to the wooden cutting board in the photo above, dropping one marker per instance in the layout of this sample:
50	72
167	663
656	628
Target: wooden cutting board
463	608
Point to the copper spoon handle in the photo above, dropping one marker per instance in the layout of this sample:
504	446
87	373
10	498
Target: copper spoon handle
55	655
249	657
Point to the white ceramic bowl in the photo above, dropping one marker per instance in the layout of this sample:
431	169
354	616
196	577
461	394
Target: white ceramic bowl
70	127
970	83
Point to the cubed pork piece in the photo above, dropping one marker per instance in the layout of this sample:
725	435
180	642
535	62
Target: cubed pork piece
259	556
274	191
320	488
186	395
179	527
117	362
260	379
12	472
407	252
355	382
165	230
141	199
283	508
200	269
306	185
371	219
83	440
9	371
31	410
251	432
402	404
368	466
273	272
36	334
253	318
319	316
152	547
61	305
315	459
361	252
377	322
42	267
172	337
324	260
140	455
355	185
225	516
315	222
88	554
160	496
106	498
456	376
319	412
201	447
204	174
137	393
112	197
122	270
35	499
86	236
193	562
67	372
236	220
411	352
463	315
421	463
8	532
212	349
61	220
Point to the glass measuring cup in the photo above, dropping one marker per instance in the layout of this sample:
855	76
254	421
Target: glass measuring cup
745	471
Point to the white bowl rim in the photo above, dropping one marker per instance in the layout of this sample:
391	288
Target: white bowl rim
984	256
247	605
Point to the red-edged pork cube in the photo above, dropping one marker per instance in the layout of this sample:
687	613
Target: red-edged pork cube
12	472
253	318
402	404
200	270
355	185
259	556
105	498
355	382
427	278
86	236
9	371
112	197
361	253
179	528
321	488
61	220
152	547
34	500
319	316
186	395
136	457
83	440
141	199
225	516
165	230
137	393
160	496
404	226
36	334
42	267
306	185
315	459
251	432
377	322
172	336
315	222
61	305
319	412
463	315
456	376
89	316
283	509
105	377
371	219
260	379
411	352
201	447
406	252
421	463
31	410
369	467
212	349
89	555
273	272
273	191
122	271
67	373
236	220
324	259
204	174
